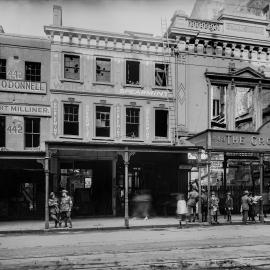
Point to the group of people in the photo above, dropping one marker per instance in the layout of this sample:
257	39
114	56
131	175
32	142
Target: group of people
60	210
187	210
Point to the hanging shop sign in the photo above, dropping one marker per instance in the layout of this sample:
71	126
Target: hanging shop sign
23	86
19	109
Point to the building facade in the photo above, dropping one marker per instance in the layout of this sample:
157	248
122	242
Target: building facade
24	123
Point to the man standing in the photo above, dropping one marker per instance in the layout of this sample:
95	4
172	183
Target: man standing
65	209
245	201
204	201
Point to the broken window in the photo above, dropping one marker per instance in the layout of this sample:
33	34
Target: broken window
3	69
2	131
161	123
244	109
132	122
103	121
71	119
161	74
103	70
32	132
32	71
218	106
266	105
133	72
72	67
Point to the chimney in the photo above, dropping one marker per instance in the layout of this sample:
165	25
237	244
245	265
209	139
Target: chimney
1	29
57	15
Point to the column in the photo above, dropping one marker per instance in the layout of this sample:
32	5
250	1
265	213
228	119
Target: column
114	161
200	187
46	169
257	103
126	159
261	188
208	185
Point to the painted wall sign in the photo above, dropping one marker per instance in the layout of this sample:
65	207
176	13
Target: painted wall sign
87	121
55	118
23	86
139	92
147	124
118	121
18	109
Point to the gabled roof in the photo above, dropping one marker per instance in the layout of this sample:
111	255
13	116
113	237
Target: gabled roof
248	72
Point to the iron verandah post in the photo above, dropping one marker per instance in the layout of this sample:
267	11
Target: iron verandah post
46	170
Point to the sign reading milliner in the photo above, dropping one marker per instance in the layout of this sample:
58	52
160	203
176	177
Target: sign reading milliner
18	109
23	86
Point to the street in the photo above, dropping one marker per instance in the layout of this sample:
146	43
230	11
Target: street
215	247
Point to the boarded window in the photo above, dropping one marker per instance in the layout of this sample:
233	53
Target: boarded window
2	131
161	74
32	132
161	123
72	67
132	122
133	72
103	70
71	119
103	121
3	69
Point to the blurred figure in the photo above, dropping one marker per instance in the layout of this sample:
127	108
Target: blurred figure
181	209
214	201
229	207
65	209
245	202
193	197
142	204
204	201
54	208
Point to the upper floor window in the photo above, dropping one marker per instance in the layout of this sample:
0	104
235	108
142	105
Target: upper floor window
71	119
132	72
32	132
32	71
161	75
266	105
103	121
161	123
218	106
3	69
2	131
103	70
71	67
132	122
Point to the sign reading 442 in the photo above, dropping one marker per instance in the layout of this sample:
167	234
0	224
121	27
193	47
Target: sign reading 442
15	127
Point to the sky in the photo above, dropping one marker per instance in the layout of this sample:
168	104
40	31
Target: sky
28	17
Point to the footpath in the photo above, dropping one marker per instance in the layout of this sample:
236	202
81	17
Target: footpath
108	223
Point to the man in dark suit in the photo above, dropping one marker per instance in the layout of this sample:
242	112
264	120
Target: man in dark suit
245	202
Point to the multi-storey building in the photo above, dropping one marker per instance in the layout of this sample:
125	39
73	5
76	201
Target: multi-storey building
24	123
114	118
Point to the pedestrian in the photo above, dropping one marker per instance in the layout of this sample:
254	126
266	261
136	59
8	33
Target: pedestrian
252	208
193	197
204	201
54	208
65	209
214	201
142	204
245	202
181	209
229	207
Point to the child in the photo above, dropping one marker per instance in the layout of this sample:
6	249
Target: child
181	209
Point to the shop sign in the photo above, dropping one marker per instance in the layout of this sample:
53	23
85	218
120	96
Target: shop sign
16	109
194	156
240	141
23	86
139	92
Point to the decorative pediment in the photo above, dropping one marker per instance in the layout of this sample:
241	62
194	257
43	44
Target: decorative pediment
248	72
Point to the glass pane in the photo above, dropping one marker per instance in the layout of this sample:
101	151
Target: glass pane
161	123
28	125
36	140
266	105
103	70
28	140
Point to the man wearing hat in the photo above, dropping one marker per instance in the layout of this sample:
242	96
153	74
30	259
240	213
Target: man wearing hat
65	209
204	202
214	201
229	207
245	201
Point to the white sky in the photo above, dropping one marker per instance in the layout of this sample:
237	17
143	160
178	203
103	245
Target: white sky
29	16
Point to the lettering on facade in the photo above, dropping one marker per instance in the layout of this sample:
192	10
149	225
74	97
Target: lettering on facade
87	121
55	118
245	28
147	124
118	121
15	127
137	92
23	86
37	110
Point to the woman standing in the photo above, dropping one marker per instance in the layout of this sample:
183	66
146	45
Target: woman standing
54	208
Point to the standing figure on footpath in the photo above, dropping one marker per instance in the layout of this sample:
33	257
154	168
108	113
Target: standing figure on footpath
181	209
193	197
229	207
204	201
214	201
245	202
65	209
54	208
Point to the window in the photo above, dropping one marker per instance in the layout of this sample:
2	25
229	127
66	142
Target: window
218	106
103	70
132	122
32	71
133	72
2	131
266	105
3	69
161	74
161	123
72	67
32	132
103	121
71	119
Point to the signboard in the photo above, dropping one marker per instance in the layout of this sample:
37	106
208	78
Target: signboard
18	109
139	92
23	86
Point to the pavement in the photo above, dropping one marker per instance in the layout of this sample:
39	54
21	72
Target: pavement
108	223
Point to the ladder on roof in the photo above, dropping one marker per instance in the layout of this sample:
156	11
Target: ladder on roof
166	50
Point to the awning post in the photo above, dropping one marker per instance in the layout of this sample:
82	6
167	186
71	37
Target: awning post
200	186
126	162
46	170
208	185
261	189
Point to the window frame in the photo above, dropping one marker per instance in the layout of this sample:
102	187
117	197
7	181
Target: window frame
63	119
158	86
80	80
140	73
109	59
25	69
139	123
168	124
5	68
4	131
32	133
110	121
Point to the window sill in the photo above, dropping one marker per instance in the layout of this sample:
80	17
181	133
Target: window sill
162	140
132	140
32	148
133	86
73	137
103	83
102	139
70	80
168	88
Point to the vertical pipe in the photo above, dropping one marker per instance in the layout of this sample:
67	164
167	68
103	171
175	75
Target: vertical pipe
46	167
208	185
200	187
126	188
261	188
